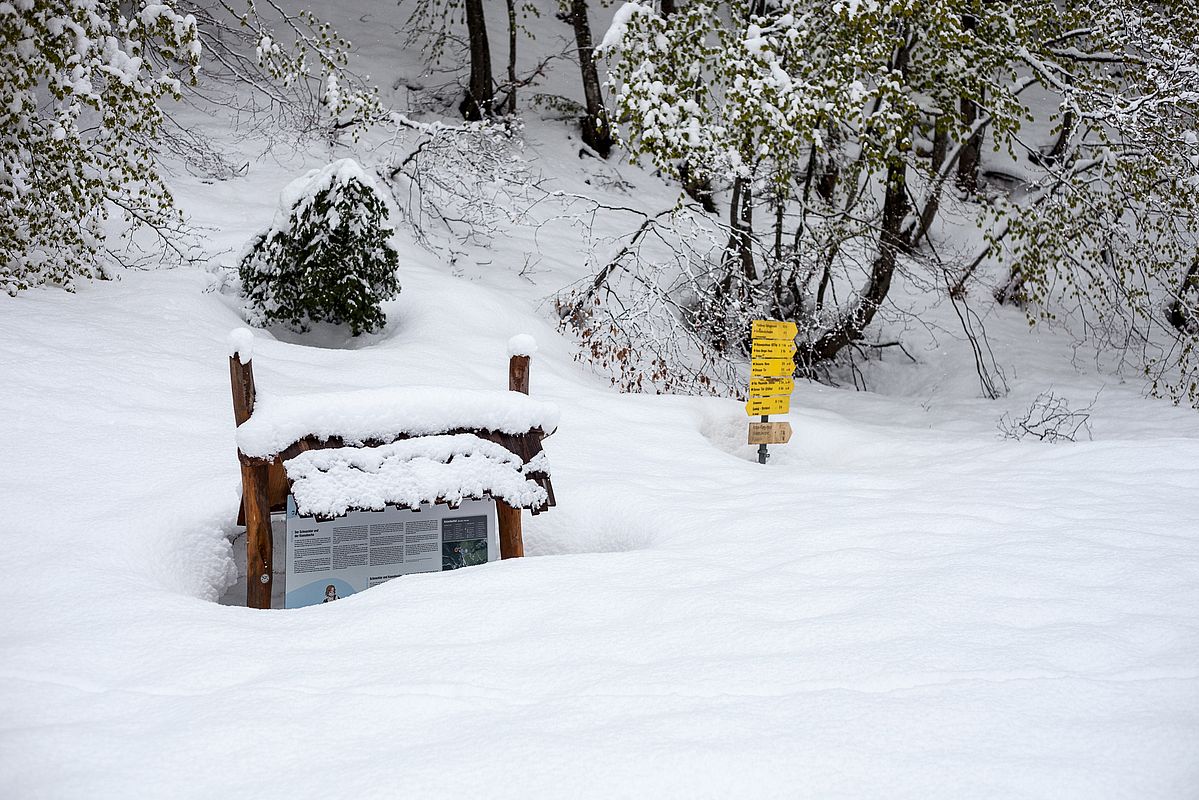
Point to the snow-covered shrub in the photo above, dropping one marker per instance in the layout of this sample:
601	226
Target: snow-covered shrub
328	256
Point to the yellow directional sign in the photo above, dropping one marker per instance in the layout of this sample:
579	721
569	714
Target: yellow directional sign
759	406
772	368
773	329
774	348
765	387
769	432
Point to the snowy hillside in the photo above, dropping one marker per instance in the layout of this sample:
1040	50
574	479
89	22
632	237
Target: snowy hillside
902	603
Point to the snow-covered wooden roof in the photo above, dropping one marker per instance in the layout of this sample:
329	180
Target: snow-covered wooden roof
412	472
374	416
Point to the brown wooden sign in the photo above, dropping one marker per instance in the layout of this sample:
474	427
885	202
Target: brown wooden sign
769	432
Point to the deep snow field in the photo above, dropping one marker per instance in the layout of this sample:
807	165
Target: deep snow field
900	604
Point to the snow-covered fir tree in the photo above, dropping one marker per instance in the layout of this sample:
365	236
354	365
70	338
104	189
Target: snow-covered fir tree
328	256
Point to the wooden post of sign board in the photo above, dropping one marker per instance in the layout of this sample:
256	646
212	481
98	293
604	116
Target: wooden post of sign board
258	535
512	544
518	374
254	495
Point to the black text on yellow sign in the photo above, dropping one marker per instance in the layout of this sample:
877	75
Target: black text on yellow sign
763	406
766	387
773	348
773	329
772	368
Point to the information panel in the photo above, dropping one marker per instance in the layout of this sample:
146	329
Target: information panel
335	558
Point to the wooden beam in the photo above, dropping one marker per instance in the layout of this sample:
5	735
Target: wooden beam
241	377
255	493
518	374
277	486
512	544
259	564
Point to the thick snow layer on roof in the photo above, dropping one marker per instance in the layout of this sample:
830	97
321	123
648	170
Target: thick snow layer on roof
409	473
382	414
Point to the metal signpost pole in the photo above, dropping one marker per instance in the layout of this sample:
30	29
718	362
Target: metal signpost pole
762	454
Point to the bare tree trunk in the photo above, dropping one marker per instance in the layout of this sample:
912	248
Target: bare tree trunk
830	173
746	230
940	143
510	100
479	98
940	151
741	223
780	207
1012	292
697	187
595	124
731	248
971	156
891	243
1063	138
1180	316
968	162
739	254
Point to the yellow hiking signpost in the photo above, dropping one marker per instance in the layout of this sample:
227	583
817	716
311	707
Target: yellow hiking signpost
773	329
773	348
768	387
768	405
771	368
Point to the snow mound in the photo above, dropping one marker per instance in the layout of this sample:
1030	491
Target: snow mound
383	415
409	473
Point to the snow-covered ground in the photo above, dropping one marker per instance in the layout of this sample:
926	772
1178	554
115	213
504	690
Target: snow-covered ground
900	604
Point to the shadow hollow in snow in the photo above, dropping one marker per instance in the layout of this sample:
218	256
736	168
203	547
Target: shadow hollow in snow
728	432
235	593
589	529
326	336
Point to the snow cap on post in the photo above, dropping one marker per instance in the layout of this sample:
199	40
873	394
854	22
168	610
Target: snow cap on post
522	344
241	344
